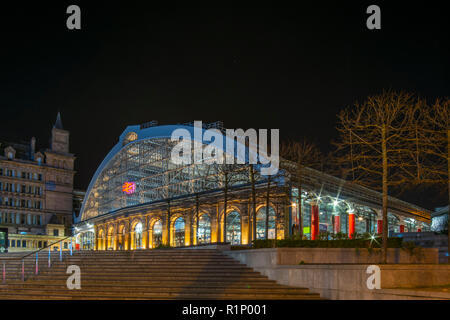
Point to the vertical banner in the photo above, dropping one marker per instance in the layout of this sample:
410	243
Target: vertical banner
60	251
49	257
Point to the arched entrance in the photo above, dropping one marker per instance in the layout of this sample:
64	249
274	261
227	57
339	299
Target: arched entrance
137	236
179	226
110	239
234	227
101	240
157	234
204	229
121	238
87	240
261	223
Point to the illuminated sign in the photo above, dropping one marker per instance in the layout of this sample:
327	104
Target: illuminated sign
129	187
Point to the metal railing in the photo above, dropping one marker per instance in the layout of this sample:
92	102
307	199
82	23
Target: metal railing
5	260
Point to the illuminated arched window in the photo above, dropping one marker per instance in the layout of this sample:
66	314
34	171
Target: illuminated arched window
157	234
121	238
179	232
234	227
138	236
261	221
204	229
110	239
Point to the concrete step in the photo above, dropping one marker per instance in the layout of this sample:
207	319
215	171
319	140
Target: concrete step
127	290
174	296
146	274
261	283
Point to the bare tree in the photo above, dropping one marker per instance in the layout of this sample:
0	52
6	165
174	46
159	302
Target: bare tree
374	145
228	175
302	154
435	141
252	176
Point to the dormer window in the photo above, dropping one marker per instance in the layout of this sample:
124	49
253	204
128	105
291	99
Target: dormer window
10	153
39	158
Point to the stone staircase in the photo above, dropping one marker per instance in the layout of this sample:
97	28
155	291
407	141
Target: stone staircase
145	274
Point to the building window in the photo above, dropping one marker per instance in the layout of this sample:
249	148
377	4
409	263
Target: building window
65	245
24	243
234	227
261	223
40	244
138	236
13	243
204	229
10	155
157	233
56	232
179	232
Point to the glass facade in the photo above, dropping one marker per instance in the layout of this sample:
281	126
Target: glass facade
204	229
87	240
179	232
157	234
138	236
234	227
3	240
142	172
261	223
330	207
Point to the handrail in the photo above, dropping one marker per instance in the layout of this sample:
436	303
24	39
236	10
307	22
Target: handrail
34	252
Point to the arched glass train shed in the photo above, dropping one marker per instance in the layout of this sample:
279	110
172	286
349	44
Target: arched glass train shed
139	198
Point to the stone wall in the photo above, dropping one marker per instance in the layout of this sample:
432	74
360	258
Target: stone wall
348	280
293	256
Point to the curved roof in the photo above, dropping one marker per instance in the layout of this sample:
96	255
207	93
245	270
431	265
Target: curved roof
156	132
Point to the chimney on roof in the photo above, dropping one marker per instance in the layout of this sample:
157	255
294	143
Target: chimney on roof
33	148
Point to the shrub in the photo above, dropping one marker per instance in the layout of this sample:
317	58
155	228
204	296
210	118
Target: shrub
341	243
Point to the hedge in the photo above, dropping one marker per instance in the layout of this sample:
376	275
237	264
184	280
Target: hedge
345	243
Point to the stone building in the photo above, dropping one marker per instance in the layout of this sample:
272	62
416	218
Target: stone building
139	198
36	191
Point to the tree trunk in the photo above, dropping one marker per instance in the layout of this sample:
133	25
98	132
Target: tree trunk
252	180
300	212
197	205
448	179
385	193
168	223
225	205
266	231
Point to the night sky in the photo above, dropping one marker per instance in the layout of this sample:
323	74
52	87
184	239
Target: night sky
260	66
